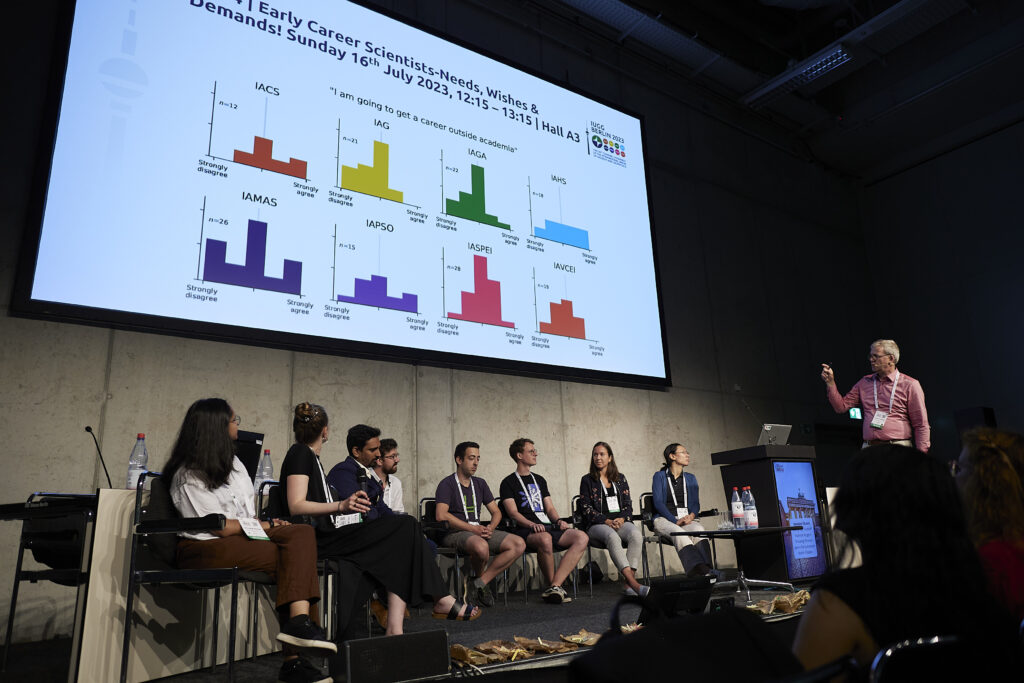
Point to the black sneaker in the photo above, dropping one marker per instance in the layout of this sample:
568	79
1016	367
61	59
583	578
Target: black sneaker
483	594
300	671
301	632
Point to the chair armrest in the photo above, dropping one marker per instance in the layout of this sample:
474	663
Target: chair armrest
713	512
212	522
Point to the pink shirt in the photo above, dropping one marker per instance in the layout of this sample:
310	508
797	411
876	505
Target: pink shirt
909	418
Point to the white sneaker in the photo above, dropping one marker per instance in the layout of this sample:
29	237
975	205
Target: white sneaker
644	590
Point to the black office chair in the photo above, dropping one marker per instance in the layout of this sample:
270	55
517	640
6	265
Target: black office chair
577	521
647	515
54	530
938	658
153	552
331	570
509	525
436	531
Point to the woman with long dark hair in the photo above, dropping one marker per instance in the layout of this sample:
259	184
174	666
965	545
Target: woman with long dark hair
991	477
390	549
920	575
607	510
205	477
676	497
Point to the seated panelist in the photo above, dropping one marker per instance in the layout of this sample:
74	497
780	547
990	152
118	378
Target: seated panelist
205	477
460	499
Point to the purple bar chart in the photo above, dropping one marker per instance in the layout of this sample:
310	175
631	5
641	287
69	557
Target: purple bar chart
374	292
252	274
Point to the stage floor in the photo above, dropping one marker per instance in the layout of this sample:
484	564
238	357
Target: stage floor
530	620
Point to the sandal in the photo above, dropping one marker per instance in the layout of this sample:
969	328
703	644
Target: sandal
453	613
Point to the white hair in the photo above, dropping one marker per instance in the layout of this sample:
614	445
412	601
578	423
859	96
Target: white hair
889	348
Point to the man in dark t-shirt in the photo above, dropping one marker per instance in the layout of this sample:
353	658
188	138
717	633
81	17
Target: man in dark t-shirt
460	500
526	500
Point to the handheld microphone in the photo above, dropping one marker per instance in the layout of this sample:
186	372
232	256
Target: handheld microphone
98	451
361	478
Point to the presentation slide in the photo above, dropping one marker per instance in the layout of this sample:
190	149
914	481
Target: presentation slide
316	168
798	502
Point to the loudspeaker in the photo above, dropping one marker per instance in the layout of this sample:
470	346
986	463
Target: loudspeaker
396	658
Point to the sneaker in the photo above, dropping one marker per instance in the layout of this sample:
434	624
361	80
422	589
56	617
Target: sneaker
644	590
300	671
484	596
301	632
554	595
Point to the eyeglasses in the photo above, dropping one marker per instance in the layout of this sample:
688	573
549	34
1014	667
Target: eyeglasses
237	419
395	456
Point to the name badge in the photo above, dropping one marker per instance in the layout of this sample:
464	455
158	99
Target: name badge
613	503
878	420
681	512
542	518
345	520
474	523
253	529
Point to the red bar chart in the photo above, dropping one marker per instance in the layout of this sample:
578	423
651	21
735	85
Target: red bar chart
483	304
262	157
563	322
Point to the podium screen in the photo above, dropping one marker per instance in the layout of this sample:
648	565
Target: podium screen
798	506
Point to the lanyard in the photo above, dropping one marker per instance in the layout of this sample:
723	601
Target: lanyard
476	510
672	489
615	490
874	384
328	498
527	493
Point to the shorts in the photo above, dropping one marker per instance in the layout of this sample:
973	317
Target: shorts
555	532
457	540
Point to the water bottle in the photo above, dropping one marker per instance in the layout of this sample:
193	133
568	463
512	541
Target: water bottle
737	510
137	462
264	472
749	508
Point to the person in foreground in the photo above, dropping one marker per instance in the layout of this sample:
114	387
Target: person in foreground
205	477
607	511
676	497
527	502
991	478
920	575
389	548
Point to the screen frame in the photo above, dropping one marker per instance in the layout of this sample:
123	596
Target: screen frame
23	305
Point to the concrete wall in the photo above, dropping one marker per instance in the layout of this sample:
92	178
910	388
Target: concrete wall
948	243
761	261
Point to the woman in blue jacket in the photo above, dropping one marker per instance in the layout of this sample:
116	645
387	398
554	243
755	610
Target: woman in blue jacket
676	503
607	511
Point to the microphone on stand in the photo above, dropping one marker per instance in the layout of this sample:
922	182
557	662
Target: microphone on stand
93	435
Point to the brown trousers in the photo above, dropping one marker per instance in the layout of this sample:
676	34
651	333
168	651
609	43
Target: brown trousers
289	556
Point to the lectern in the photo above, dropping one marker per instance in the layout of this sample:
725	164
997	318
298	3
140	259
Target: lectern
784	484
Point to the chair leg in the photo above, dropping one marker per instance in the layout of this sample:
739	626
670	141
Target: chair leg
216	625
14	602
129	605
590	571
526	581
661	550
233	624
254	611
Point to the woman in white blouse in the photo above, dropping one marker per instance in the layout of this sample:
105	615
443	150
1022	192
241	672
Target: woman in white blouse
205	478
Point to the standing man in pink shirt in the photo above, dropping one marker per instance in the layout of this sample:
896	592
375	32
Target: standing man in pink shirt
893	402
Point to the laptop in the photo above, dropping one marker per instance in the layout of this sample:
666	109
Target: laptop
249	449
774	435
